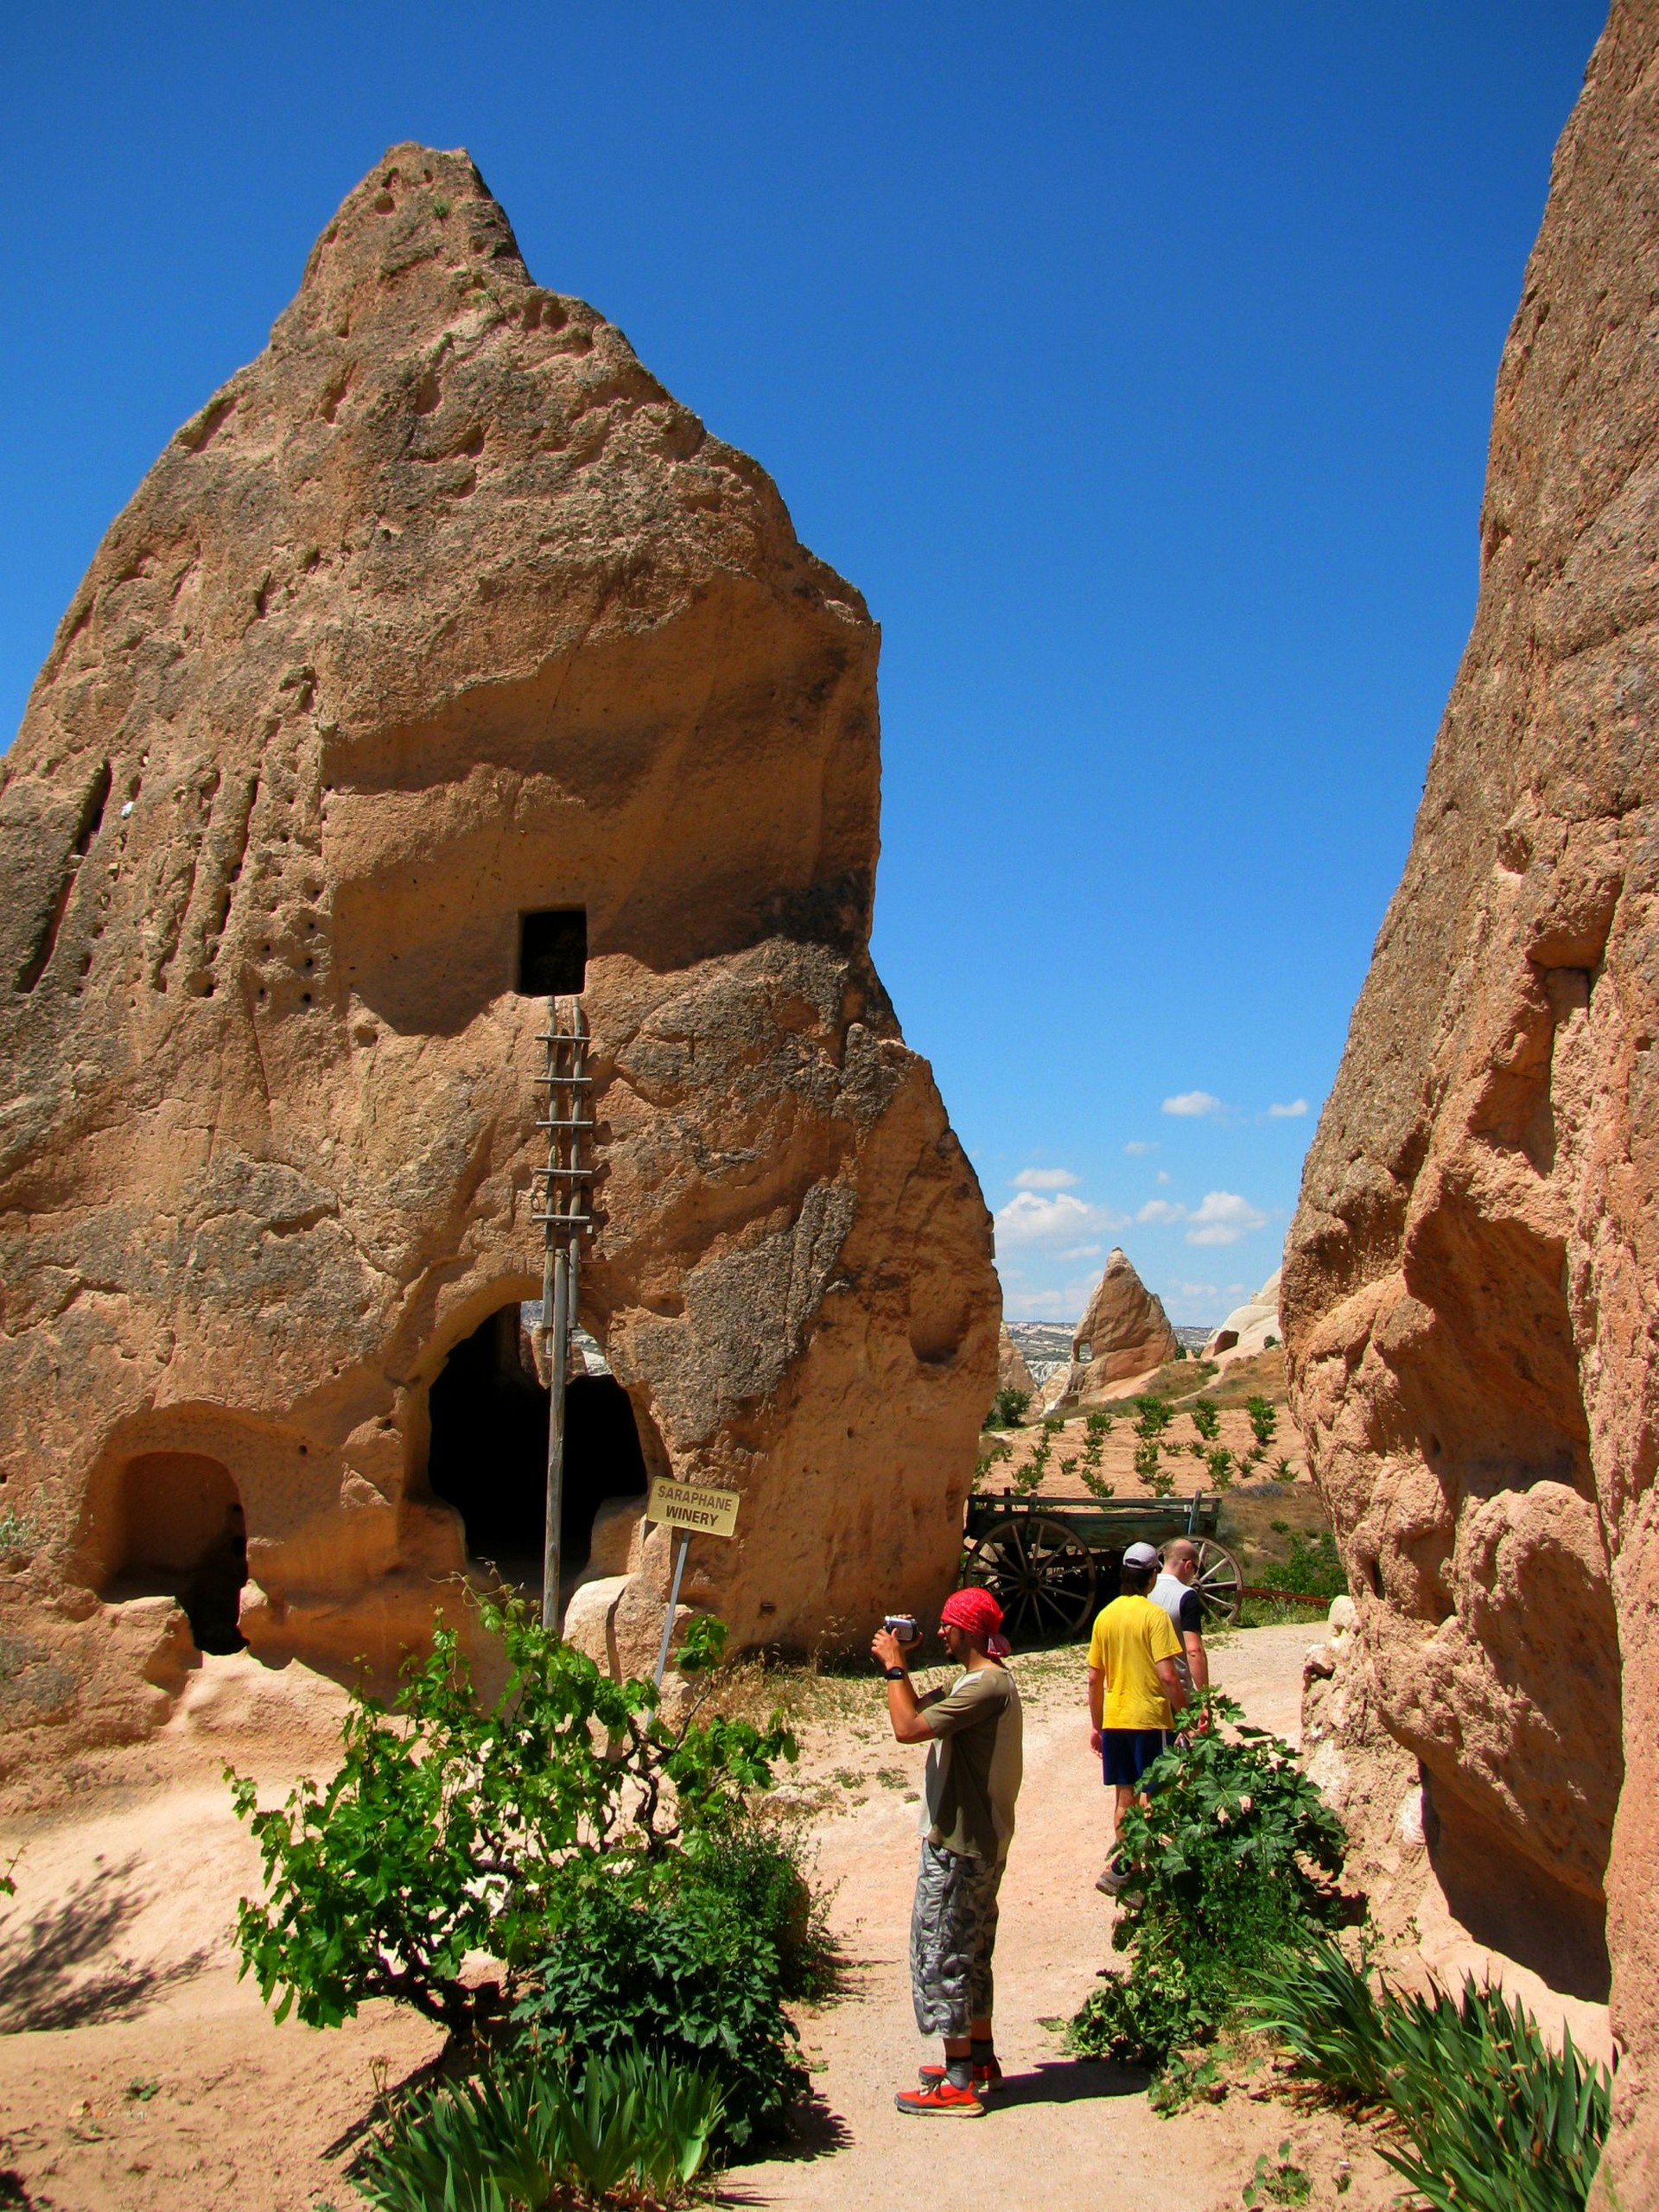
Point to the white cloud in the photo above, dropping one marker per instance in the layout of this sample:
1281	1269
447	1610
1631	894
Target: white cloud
1081	1252
1020	1303
1162	1176
1137	1145
1193	1290
1193	1103
1223	1217
1161	1210
1062	1219
1045	1179
1288	1113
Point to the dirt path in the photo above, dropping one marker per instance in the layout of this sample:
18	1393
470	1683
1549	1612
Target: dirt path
137	2074
1062	2135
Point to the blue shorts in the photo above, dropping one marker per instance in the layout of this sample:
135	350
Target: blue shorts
1125	1753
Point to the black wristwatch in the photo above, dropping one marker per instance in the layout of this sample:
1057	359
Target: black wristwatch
896	1674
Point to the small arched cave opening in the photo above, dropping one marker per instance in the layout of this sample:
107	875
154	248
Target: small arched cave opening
178	1532
488	1454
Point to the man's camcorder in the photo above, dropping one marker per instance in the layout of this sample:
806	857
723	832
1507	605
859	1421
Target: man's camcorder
904	1627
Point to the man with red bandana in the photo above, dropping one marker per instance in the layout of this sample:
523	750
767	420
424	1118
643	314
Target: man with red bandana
967	1797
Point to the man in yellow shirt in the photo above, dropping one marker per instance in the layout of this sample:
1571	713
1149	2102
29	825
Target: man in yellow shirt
1134	1690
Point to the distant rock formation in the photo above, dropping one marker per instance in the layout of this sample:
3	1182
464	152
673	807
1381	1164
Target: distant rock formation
1468	1291
1011	1373
440	614
1248	1329
1123	1335
1052	1391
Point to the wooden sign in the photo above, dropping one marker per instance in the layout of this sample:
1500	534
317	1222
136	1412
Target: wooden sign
687	1505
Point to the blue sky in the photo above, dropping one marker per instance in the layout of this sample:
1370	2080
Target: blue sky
1136	362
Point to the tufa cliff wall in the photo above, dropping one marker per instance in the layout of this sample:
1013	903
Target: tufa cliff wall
1470	1290
440	612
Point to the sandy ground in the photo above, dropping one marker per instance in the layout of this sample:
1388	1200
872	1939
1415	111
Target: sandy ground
136	2072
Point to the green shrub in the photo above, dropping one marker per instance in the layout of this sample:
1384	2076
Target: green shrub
1232	1836
1170	1996
1219	1462
524	2138
449	1821
1264	1420
1315	1568
658	1954
1007	1407
1493	2119
755	1866
1029	1478
1206	1418
1152	1415
1233	1854
1097	1428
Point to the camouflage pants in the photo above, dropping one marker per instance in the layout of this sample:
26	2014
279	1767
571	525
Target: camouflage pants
952	1934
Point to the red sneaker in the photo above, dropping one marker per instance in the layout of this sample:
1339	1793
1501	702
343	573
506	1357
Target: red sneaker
944	2098
987	2077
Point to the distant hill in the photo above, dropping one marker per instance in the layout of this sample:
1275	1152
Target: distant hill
1044	1345
1049	1342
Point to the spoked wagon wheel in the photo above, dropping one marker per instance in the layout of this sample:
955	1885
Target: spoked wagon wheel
1040	1574
1219	1581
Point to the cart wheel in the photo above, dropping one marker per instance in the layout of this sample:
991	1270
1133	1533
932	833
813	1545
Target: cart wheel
1219	1581
1040	1574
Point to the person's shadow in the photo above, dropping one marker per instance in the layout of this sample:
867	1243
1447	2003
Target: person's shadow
1065	2080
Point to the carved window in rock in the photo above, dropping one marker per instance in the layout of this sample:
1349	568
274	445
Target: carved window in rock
178	1532
553	952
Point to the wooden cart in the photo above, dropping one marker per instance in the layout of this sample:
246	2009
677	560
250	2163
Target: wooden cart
1052	1563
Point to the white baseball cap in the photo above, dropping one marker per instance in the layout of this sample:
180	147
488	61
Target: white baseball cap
1141	1555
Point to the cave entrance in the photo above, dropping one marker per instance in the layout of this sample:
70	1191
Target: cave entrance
488	1455
180	1533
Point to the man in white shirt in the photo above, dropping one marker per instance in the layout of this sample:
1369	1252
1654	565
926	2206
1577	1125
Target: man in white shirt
1173	1591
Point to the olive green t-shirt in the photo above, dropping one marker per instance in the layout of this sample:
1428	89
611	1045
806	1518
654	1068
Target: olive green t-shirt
974	1768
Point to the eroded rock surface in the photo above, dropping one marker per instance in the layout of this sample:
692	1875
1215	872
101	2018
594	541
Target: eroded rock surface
1468	1291
440	612
1249	1329
1012	1372
1123	1334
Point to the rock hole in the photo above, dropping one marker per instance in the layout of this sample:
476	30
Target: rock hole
178	1532
552	951
488	1455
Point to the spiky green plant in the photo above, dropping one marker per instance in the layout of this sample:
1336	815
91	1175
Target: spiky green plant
1493	2119
527	2137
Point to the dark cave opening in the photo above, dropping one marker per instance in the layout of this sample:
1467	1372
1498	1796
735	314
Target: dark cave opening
488	1455
180	1533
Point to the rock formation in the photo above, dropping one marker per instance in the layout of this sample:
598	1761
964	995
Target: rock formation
440	613
1469	1286
1248	1329
1011	1373
1123	1335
